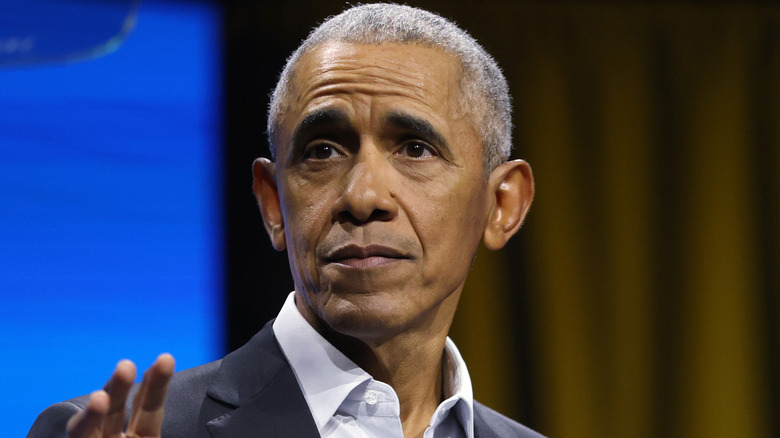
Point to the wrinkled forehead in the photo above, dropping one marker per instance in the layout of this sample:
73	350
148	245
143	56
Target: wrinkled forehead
420	75
421	66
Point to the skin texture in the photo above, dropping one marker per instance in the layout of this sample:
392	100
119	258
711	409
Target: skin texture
379	197
371	190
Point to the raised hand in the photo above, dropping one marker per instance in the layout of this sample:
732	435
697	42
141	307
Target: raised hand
104	416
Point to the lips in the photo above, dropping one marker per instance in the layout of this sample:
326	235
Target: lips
365	256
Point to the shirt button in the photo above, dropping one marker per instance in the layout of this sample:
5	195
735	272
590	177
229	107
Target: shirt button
371	397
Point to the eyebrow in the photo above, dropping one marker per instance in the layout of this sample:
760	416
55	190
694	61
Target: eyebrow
321	118
336	118
419	126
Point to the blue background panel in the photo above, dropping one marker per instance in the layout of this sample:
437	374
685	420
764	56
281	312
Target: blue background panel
110	213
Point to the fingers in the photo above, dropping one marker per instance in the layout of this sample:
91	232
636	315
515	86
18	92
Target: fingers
105	412
118	387
87	424
147	415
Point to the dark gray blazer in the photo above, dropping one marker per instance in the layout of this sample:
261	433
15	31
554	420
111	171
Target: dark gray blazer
252	392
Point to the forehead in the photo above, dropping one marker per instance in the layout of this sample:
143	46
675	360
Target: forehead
412	76
412	65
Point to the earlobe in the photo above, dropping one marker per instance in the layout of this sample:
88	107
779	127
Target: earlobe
267	195
512	187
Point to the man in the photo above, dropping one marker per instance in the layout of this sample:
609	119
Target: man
390	133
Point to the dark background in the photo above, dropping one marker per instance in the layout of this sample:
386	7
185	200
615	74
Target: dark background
640	299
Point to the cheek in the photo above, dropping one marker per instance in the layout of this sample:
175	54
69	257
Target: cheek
307	213
449	219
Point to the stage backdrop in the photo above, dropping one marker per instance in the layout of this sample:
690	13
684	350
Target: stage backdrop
641	297
110	194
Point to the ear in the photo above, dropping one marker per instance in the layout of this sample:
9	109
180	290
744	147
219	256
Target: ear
267	195
511	186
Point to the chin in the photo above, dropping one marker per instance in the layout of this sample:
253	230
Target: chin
363	317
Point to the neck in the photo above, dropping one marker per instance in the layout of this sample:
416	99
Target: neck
412	366
409	361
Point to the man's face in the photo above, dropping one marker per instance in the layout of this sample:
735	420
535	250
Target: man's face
381	186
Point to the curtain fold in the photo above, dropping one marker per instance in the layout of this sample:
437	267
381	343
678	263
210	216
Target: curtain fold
651	254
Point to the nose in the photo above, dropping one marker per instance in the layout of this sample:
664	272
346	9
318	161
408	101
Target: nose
366	195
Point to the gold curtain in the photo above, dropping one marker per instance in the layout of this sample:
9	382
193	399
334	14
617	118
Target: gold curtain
650	258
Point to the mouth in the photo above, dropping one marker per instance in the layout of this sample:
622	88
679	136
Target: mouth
362	257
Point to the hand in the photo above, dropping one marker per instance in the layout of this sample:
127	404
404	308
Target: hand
104	416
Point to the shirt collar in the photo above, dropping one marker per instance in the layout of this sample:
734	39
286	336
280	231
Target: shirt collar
458	392
326	376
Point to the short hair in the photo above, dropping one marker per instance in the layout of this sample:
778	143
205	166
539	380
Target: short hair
482	84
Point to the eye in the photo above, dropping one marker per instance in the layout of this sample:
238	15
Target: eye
322	151
416	149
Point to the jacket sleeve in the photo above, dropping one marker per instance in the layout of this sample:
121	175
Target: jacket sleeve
51	423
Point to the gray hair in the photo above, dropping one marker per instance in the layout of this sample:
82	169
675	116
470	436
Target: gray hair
483	86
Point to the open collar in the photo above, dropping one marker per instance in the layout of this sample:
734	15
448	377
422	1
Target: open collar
325	374
257	394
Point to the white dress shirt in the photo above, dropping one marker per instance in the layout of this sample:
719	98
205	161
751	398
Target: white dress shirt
346	402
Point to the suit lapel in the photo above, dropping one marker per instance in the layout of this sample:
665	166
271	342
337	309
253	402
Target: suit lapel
256	394
481	428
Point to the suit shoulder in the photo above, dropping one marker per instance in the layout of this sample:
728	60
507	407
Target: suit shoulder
52	421
186	393
194	378
488	422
